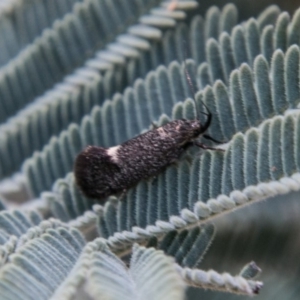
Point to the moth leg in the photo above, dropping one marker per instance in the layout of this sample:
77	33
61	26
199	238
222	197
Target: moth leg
208	137
202	146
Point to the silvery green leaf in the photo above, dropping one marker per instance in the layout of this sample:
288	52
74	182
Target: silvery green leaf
266	42
80	91
268	172
244	85
220	282
188	247
151	276
250	270
41	259
99	274
268	16
55	78
16	223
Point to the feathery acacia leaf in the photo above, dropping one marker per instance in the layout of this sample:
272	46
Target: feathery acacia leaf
40	261
151	275
247	74
21	22
220	282
82	35
77	98
254	91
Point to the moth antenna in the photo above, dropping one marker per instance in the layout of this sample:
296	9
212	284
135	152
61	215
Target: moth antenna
192	89
191	86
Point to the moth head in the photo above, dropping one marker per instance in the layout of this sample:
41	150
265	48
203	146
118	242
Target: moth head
196	128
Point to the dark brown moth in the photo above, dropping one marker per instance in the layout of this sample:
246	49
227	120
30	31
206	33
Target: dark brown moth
102	172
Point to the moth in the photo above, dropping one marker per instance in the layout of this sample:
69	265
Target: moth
102	172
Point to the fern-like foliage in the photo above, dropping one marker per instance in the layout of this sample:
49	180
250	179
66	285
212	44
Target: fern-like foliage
140	99
66	45
22	21
86	87
70	101
41	259
15	223
151	276
194	179
99	72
